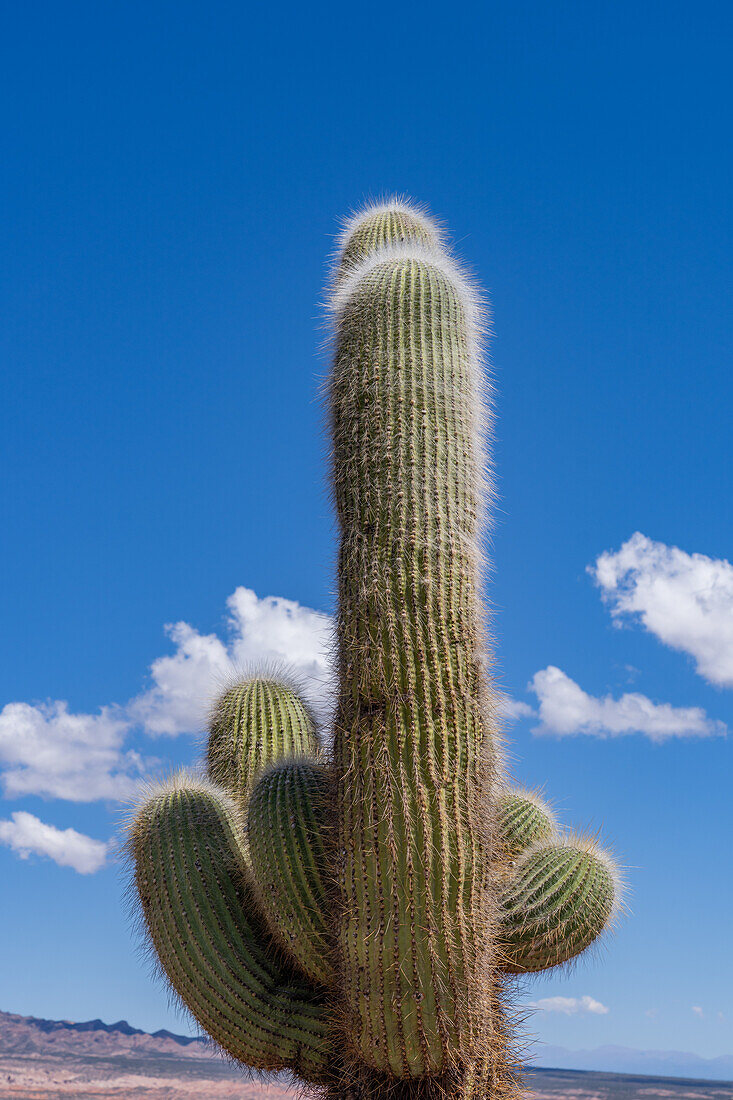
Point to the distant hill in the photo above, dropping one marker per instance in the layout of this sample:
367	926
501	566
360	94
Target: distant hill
657	1063
30	1035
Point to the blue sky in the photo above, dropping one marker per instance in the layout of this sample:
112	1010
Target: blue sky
172	180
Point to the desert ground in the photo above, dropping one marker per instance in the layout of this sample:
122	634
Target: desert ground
62	1076
61	1060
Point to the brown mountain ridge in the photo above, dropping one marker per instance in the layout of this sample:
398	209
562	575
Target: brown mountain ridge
28	1034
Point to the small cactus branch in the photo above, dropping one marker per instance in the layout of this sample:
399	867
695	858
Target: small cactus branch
558	900
522	819
254	723
192	881
290	807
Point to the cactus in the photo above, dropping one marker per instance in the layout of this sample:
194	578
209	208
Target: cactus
384	225
556	902
522	818
252	724
288	820
354	916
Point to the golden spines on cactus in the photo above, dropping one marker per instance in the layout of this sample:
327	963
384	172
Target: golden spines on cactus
415	712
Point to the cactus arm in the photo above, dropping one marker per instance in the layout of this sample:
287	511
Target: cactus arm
557	901
192	881
254	723
414	711
522	819
289	811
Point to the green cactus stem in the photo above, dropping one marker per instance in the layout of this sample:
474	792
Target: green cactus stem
415	710
354	917
288	817
381	225
522	819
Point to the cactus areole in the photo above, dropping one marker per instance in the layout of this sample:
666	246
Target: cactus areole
354	914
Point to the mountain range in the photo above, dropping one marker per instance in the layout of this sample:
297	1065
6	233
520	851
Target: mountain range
28	1035
31	1035
656	1063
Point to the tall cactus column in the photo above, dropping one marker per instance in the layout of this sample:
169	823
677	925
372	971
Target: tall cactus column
415	713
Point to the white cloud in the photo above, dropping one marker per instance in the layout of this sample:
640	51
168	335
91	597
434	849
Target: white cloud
571	1006
47	750
182	683
276	630
269	632
565	709
27	835
512	709
685	600
697	1011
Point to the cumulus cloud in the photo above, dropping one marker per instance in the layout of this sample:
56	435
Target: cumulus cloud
685	600
571	1006
28	835
46	749
512	709
565	709
269	632
183	683
697	1011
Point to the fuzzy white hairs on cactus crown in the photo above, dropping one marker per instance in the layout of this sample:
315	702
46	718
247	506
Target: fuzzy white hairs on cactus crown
393	204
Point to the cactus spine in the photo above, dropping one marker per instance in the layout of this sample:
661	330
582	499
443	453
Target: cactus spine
354	917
